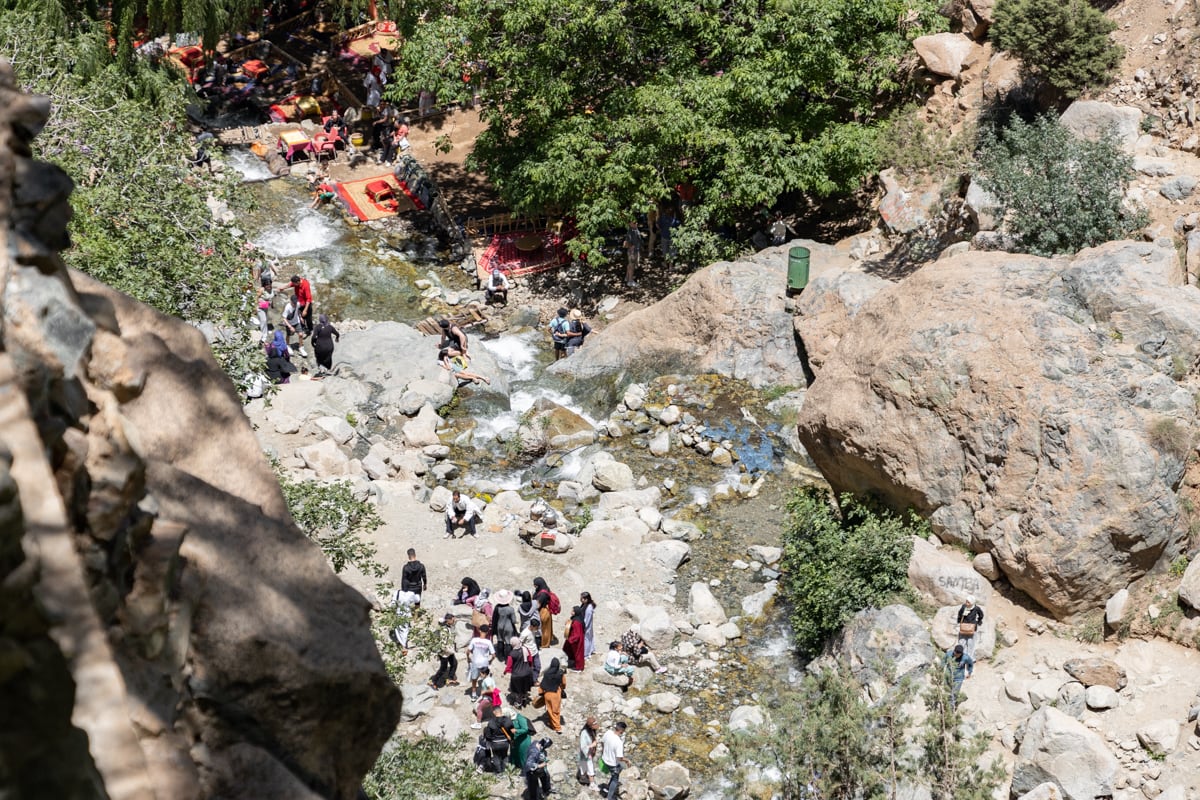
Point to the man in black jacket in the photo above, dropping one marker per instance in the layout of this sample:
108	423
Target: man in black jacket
412	577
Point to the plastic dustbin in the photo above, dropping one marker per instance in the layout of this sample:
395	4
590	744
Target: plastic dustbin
797	276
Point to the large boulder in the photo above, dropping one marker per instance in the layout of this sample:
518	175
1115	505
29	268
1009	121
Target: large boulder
1160	737
669	780
894	635
1061	750
730	318
612	476
1093	119
944	54
549	425
1026	405
1189	587
944	577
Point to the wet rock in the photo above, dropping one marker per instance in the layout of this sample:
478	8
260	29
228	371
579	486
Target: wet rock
669	780
703	607
754	605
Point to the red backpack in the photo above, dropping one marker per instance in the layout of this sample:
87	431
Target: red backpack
555	605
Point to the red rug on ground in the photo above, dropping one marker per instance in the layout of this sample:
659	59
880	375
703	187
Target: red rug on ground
362	197
524	253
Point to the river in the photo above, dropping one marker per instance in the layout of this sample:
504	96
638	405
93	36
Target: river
363	272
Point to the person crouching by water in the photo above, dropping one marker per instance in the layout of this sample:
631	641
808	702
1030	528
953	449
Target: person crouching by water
457	364
496	288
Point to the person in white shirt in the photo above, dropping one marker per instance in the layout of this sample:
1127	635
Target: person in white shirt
461	512
496	288
404	601
480	652
612	754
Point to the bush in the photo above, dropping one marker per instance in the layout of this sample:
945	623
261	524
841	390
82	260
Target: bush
1062	42
424	769
839	561
1059	193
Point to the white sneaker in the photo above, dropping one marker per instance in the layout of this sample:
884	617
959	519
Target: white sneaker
303	353
476	725
660	670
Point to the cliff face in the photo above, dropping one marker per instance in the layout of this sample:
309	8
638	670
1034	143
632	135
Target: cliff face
165	630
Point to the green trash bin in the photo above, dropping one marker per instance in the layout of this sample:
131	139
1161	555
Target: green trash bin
797	277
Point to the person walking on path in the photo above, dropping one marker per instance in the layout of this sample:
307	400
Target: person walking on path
612	758
545	602
480	653
589	627
412	576
589	742
554	687
523	675
636	648
633	249
504	622
527	610
461	512
322	343
537	775
970	619
304	299
575	640
959	666
293	320
447	661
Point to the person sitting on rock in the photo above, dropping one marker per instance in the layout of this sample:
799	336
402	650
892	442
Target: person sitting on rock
453	337
496	289
457	364
638	651
617	663
970	619
461	512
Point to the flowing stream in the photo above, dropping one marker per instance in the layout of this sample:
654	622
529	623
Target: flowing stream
363	272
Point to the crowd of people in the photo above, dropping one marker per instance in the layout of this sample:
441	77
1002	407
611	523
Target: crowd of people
508	632
284	331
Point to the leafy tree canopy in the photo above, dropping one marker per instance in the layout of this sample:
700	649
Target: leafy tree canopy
600	110
1063	42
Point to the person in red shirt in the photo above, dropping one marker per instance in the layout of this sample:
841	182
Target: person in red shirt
304	299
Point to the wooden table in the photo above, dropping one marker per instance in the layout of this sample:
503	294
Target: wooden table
529	243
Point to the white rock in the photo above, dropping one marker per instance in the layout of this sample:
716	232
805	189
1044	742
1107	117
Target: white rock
985	565
286	424
660	445
730	630
670	553
324	458
612	476
670	415
703	606
1045	791
421	430
1159	737
710	635
335	428
669	780
1116	607
375	468
1044	691
679	529
944	576
664	702
418	699
753	605
651	516
1059	749
439	498
746	718
944	53
765	554
1091	119
719	753
1101	698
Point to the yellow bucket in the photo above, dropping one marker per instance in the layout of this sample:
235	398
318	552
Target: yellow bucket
356	139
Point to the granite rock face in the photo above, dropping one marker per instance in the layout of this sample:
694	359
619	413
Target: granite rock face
178	636
1035	409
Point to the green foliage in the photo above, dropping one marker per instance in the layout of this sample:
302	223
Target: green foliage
1060	193
950	758
335	519
600	110
140	220
839	561
1179	566
829	741
915	146
427	768
1062	42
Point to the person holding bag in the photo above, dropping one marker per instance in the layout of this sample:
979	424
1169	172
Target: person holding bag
970	618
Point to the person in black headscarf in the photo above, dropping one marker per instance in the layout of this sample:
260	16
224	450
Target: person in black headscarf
322	342
554	687
467	593
542	597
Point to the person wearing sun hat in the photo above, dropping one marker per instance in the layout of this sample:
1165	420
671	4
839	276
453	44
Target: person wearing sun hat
504	622
970	618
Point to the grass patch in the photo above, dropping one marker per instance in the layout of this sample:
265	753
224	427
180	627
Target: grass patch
1170	437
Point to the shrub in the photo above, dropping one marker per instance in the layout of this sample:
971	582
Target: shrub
1062	42
1059	193
839	561
336	520
427	768
1169	437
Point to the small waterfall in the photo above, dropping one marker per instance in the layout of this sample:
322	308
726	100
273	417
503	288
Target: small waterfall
249	166
304	231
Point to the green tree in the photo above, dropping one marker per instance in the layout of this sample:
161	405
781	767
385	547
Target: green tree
837	561
600	110
141	223
951	758
1062	42
424	769
1060	193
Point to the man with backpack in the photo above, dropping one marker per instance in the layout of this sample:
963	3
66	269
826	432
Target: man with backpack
560	332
